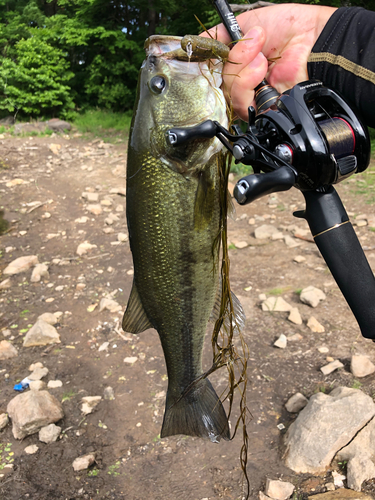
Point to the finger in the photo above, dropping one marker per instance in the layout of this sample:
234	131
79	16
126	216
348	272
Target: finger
242	54
242	92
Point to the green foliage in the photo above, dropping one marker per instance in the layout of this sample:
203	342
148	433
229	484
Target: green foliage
60	56
6	455
35	82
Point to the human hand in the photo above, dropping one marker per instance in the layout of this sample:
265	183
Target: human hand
287	32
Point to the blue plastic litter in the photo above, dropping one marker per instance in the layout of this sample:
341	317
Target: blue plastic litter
24	384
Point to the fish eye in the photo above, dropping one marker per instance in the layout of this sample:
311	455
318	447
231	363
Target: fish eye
157	84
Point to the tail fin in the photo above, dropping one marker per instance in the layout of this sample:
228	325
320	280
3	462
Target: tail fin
198	413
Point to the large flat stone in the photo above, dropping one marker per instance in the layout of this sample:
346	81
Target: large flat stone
324	426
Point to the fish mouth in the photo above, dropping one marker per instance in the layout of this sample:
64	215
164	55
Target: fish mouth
160	44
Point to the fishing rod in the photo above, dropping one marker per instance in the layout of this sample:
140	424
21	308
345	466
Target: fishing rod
308	137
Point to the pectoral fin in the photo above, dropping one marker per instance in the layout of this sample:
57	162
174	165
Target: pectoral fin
135	319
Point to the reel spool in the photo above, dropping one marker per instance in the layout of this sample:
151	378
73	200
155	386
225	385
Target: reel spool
314	129
339	136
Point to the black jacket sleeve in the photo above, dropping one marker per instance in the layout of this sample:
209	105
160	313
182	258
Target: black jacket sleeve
343	58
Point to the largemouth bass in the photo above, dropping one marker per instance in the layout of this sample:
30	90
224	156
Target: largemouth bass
174	218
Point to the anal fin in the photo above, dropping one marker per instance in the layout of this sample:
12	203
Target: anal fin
239	313
135	319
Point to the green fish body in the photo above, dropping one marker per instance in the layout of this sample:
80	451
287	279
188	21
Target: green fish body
174	218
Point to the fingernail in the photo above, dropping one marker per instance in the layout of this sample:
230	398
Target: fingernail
252	37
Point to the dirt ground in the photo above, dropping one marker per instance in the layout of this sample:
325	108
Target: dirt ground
132	462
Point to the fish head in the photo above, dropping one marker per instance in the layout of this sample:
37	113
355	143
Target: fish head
176	93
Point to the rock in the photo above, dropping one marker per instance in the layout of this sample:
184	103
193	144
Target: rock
296	403
118	190
295	316
361	366
49	433
240	244
294	337
277	236
37	385
7	121
323	350
40	271
331	367
276	304
262	496
359	469
314	325
130	360
38	373
95	209
21	265
89	403
58	125
122	237
363	445
30	450
32	410
54	384
82	220
109	393
312	296
3	420
5	284
33	366
83	462
326	424
55	148
27	127
279	490
291	242
265	231
281	342
299	259
330	486
91	197
338	479
7	350
41	334
341	494
49	318
103	347
111	219
109	304
84	248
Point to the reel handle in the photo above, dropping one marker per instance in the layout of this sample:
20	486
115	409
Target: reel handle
255	186
338	243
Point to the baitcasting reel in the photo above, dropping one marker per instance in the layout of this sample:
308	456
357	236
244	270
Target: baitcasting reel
308	137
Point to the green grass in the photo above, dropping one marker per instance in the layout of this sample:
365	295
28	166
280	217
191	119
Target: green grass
279	290
372	139
356	384
102	123
365	184
240	169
